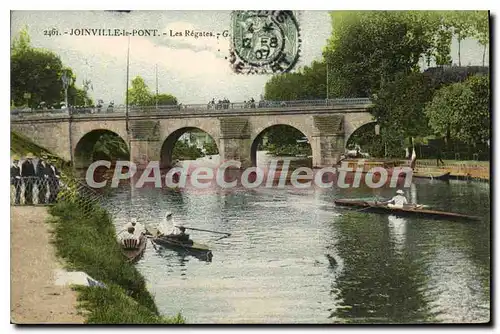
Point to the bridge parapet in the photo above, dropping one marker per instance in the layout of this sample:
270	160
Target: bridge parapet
199	109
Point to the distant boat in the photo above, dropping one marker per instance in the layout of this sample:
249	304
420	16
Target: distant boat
443	176
404	211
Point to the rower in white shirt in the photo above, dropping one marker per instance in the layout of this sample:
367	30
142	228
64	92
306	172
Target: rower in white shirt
397	201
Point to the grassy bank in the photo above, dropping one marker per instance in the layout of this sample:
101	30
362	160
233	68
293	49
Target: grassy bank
88	243
85	237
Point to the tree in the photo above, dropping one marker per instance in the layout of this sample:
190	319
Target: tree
462	25
307	83
461	111
481	24
35	74
370	48
400	104
110	146
210	148
79	97
139	94
22	42
165	99
283	135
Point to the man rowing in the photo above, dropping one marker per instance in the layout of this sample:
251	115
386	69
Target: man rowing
397	201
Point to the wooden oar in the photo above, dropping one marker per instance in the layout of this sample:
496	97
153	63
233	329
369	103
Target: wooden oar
199	229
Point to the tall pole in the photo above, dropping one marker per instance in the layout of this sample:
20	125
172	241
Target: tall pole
126	93
327	81
156	97
66	82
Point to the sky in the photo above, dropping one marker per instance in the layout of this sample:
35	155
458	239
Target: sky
192	69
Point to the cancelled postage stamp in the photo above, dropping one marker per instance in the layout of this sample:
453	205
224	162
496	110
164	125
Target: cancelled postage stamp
264	41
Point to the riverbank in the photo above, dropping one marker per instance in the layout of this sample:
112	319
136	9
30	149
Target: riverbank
35	299
84	237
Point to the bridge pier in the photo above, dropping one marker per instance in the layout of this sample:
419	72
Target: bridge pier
327	150
328	140
144	151
235	142
235	149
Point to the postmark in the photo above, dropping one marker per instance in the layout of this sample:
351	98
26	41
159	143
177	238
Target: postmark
264	42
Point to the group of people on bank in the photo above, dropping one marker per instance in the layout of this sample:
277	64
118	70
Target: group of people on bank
42	177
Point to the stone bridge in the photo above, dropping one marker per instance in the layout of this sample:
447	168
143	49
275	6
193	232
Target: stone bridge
151	135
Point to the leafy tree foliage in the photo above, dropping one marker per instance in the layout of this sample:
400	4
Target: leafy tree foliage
308	83
461	111
481	24
36	75
166	99
110	146
399	106
372	47
283	135
184	151
140	95
210	148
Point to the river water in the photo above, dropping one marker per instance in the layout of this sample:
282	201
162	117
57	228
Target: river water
293	257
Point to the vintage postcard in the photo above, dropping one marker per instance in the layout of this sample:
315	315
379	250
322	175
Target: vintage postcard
250	167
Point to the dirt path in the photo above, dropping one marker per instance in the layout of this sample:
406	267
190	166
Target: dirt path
34	297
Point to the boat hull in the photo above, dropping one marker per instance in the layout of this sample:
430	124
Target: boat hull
199	251
432	176
134	254
405	212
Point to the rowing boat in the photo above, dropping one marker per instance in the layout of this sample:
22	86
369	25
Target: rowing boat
444	176
404	211
133	249
198	250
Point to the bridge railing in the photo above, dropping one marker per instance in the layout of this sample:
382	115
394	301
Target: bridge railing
193	108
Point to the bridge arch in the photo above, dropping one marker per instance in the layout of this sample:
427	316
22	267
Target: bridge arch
85	151
368	126
356	121
257	138
169	142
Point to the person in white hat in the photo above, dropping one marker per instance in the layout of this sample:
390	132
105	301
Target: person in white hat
397	201
138	228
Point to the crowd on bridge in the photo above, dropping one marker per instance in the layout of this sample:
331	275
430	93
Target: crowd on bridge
36	181
226	104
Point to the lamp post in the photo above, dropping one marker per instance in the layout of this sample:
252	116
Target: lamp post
65	81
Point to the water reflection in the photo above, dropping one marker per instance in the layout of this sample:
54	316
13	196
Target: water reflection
397	230
294	257
377	286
